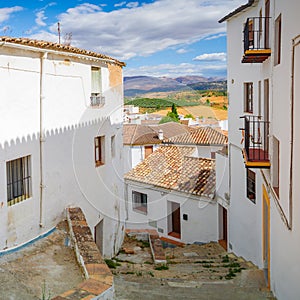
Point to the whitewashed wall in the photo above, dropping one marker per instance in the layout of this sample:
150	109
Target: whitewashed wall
245	219
70	126
201	226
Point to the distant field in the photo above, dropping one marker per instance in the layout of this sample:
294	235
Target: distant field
198	111
207	104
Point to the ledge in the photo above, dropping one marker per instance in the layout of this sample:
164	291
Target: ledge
98	283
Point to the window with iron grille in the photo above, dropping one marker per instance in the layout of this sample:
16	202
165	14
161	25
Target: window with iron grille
99	143
139	202
18	174
97	99
251	185
248	97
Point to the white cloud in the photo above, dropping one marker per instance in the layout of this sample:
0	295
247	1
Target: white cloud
181	51
6	12
221	56
214	37
144	30
175	70
40	17
132	4
120	4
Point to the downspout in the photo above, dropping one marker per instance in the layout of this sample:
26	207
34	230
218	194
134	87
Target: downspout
295	44
42	136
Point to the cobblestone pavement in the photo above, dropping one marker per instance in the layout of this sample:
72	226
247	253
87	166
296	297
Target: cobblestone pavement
192	272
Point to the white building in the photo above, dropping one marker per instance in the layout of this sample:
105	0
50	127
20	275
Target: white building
207	140
141	140
173	191
60	141
263	74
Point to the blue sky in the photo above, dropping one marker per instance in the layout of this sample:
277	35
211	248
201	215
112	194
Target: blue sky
154	37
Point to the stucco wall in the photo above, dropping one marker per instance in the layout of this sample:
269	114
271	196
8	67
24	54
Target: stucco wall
69	125
201	226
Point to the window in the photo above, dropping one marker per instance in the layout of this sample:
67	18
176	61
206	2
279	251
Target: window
248	97
96	90
139	202
113	145
277	41
251	185
18	173
99	150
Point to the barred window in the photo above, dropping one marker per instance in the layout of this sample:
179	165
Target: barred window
18	173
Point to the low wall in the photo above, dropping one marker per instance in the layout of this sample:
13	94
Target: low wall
98	283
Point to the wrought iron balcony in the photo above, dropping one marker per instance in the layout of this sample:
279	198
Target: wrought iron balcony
97	100
256	142
256	40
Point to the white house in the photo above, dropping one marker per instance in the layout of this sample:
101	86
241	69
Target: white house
173	192
207	140
141	140
263	74
60	142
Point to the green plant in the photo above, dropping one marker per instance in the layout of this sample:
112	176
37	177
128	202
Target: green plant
162	267
139	273
151	273
44	292
112	264
187	116
225	259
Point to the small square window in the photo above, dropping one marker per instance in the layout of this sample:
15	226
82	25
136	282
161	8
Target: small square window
18	174
139	202
99	143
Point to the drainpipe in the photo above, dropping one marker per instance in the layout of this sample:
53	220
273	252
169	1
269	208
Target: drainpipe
42	136
295	43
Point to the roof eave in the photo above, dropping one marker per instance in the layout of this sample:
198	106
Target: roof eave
238	10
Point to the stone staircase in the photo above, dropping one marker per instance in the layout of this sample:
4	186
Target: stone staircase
205	269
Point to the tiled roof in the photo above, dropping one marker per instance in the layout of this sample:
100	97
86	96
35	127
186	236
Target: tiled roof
137	134
56	47
200	136
172	167
238	10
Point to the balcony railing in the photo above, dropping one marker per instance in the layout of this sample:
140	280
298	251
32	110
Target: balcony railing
256	40
97	100
256	142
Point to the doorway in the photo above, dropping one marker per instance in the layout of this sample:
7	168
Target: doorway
223	227
174	224
99	236
266	236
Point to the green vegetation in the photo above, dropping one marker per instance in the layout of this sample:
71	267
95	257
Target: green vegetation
167	119
45	295
162	267
112	264
189	116
163	103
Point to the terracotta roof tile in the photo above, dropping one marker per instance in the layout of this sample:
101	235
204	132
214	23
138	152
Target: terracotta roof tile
57	47
173	167
137	134
199	136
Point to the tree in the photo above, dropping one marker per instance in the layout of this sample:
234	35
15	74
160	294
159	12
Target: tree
174	111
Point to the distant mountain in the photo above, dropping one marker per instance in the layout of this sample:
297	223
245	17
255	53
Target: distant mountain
139	85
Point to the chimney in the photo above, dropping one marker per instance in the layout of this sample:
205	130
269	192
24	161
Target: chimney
160	134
